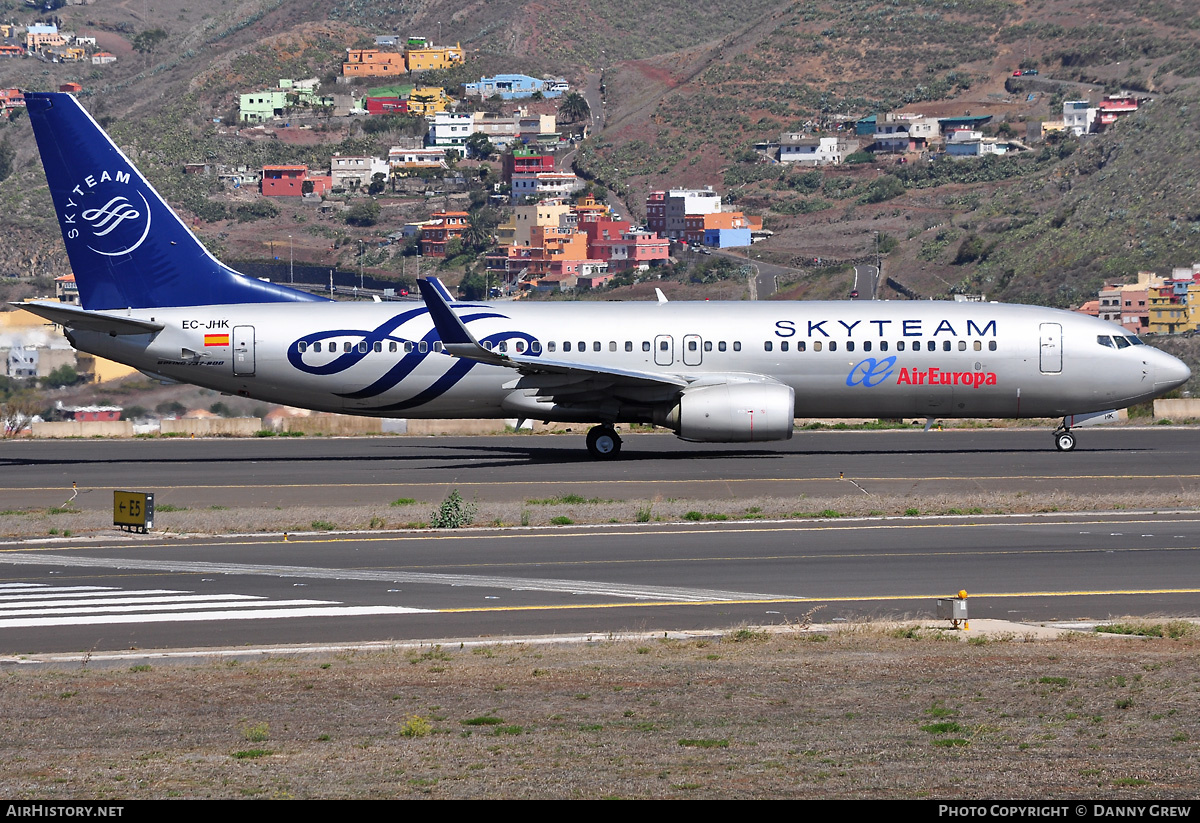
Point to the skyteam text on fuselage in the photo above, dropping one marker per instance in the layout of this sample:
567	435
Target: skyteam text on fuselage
153	297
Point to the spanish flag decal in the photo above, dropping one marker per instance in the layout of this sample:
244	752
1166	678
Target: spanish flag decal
216	339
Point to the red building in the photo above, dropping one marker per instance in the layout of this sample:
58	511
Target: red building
526	161
293	181
656	212
89	413
386	105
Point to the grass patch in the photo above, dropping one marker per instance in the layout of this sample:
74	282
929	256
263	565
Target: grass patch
704	743
1175	629
402	501
696	516
484	720
565	500
250	754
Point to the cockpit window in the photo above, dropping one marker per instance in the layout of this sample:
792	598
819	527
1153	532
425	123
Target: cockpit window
1104	340
1122	342
1135	340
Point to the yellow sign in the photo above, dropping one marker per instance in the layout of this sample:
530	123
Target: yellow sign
133	510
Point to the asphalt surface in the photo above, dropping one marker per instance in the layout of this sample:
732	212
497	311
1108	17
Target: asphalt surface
153	592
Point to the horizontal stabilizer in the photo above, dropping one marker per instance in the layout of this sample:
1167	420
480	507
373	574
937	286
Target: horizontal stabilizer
73	317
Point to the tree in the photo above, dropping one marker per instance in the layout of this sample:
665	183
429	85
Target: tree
473	285
478	232
377	183
480	146
7	153
574	107
365	213
17	411
64	375
148	41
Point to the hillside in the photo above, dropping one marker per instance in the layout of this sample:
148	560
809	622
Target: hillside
691	87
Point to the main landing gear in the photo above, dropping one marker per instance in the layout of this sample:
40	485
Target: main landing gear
1064	441
603	442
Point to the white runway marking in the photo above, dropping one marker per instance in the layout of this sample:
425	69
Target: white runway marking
33	606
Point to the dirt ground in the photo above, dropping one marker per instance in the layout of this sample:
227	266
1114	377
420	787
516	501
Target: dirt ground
869	711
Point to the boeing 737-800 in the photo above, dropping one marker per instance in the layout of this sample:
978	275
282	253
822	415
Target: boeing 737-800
153	297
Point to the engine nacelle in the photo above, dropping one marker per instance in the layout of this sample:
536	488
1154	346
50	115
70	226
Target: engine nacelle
734	413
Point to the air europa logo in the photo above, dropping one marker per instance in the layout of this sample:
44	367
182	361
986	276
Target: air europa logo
871	372
106	218
937	377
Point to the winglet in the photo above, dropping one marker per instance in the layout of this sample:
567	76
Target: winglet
456	338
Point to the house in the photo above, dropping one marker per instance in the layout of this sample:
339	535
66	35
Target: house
969	143
11	50
450	129
900	133
385	105
541	185
71	88
1112	107
10	99
426	57
516	87
403	160
260	106
292	181
667	212
103	58
40	36
630	250
441	229
353	172
812	150
525	161
502	131
428	101
1078	116
722	230
372	63
66	290
88	413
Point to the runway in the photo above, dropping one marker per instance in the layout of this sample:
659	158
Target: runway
153	592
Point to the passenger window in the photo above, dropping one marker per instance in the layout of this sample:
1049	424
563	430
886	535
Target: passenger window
392	346
801	345
721	346
664	345
866	345
519	346
946	345
408	346
978	345
437	345
991	345
362	347
962	345
535	347
645	345
551	346
422	347
767	346
503	345
708	345
883	346
566	345
612	345
582	346
737	345
628	345
931	345
692	345
302	347
833	345
596	346
783	346
849	345
346	346
900	345
378	345
816	345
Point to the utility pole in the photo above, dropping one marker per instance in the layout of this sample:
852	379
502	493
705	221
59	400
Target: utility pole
291	262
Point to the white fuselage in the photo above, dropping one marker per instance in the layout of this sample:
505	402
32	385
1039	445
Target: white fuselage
843	359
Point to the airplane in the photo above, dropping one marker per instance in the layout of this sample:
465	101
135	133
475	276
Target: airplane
153	297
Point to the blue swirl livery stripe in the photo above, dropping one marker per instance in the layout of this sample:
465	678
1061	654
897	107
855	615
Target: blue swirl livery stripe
407	363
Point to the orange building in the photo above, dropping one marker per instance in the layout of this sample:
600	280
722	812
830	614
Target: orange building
293	181
372	63
444	227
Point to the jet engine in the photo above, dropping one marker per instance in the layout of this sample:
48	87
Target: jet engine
733	413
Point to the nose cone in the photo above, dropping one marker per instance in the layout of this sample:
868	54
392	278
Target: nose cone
1169	372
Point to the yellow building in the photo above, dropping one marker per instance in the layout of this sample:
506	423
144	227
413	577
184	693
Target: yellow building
1174	310
433	57
427	101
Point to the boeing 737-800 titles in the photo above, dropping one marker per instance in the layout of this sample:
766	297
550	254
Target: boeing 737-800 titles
153	297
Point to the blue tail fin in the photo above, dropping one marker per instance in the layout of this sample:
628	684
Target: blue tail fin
127	247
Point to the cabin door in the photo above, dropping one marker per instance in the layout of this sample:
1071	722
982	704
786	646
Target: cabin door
1051	348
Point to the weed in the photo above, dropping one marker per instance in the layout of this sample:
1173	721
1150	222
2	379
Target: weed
402	501
256	732
484	720
415	726
561	520
1054	681
322	526
454	513
250	754
703	743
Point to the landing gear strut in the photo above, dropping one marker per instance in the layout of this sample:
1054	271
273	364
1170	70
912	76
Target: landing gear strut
1064	441
603	442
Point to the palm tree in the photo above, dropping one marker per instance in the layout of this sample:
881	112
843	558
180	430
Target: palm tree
574	107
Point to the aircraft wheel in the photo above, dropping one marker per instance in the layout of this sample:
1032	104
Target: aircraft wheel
1064	441
603	443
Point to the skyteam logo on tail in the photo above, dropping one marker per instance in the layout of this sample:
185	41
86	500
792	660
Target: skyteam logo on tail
108	218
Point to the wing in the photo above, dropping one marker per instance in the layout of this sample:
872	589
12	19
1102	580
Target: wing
550	388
